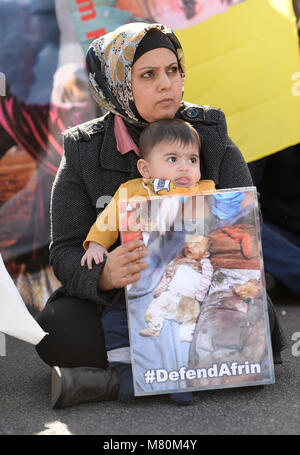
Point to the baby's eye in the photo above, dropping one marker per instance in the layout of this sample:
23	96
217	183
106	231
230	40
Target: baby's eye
172	159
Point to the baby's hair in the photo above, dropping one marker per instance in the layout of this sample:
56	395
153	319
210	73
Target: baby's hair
169	130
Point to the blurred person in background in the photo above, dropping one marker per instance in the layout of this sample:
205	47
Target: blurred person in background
47	92
277	179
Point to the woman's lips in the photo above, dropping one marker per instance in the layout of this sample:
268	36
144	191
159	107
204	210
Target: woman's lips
165	102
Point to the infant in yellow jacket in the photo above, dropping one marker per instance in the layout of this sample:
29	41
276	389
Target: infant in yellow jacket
170	165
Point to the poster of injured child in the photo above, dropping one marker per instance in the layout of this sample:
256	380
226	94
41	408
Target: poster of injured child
198	315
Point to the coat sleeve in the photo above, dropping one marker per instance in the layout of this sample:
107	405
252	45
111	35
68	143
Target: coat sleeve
233	171
71	216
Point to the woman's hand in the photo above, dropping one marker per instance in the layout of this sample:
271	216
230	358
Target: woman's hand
123	266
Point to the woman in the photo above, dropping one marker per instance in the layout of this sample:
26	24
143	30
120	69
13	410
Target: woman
136	73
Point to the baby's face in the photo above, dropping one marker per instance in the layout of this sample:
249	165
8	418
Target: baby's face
175	162
196	250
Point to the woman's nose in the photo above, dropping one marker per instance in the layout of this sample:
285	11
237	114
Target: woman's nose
163	81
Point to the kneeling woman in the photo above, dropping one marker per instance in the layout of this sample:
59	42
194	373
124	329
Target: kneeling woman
137	74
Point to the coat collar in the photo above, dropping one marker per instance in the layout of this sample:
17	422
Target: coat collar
109	156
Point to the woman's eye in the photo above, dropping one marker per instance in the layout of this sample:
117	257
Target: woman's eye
147	74
173	69
172	159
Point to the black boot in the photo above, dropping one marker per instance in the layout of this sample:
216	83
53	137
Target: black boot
72	386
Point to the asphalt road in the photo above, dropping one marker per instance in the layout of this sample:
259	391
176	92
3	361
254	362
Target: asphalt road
272	410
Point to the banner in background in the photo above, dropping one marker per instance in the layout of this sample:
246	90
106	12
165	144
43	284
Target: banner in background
46	91
247	66
244	61
93	18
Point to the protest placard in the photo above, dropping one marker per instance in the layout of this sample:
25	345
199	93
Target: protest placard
198	315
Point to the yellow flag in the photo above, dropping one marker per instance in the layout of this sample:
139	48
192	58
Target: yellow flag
246	62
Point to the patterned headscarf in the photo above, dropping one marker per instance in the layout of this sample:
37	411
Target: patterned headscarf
109	62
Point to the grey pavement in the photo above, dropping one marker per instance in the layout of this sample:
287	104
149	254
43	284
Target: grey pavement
272	410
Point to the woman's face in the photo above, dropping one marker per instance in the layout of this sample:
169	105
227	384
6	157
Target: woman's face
157	84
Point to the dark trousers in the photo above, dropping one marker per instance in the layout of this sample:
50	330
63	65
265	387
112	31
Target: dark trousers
115	328
75	337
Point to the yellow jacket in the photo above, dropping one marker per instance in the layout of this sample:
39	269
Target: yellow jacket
105	230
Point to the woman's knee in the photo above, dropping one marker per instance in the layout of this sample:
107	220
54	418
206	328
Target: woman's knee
75	335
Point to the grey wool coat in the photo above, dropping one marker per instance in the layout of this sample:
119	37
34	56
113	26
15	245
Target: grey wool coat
92	168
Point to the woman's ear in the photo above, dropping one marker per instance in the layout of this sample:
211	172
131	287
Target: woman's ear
143	168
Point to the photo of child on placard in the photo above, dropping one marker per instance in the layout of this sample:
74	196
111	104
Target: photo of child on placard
197	316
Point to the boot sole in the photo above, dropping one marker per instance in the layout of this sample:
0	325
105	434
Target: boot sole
56	387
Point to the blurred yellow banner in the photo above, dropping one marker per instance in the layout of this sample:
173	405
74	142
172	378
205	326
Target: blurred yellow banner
245	61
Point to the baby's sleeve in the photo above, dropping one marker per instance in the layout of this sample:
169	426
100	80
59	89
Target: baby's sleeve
105	230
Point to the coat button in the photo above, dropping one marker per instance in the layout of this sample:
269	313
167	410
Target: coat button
192	112
98	127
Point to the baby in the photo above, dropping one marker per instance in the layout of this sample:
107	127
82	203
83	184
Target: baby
173	298
169	165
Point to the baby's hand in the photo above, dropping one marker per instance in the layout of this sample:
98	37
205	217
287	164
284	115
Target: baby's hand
95	252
